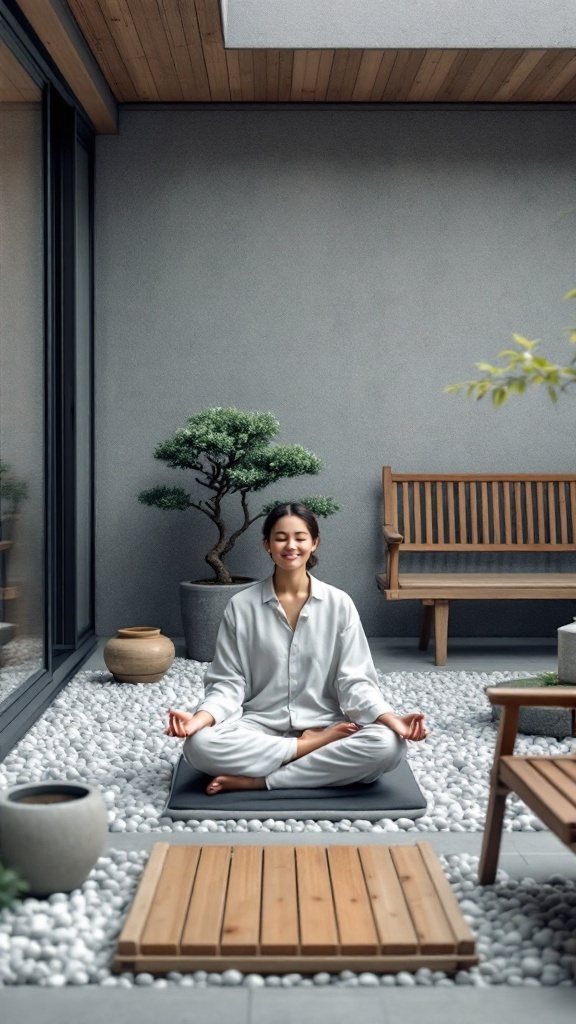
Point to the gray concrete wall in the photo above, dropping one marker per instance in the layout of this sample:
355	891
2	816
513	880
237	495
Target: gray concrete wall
338	268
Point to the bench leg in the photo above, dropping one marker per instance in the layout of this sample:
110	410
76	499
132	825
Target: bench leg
492	834
441	631
426	625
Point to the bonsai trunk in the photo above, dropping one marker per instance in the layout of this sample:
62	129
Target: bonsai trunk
223	577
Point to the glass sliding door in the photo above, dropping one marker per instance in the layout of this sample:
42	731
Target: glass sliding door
22	378
46	381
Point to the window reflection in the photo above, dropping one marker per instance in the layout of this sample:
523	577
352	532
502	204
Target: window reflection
22	641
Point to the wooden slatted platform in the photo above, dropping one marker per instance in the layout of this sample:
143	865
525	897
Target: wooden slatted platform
274	909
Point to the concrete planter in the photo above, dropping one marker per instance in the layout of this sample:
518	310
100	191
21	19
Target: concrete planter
555	722
52	833
202	604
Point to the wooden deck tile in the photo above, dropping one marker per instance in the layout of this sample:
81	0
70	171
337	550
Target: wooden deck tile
318	932
294	908
279	932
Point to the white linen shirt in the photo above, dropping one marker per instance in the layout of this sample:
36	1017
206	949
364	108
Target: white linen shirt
318	674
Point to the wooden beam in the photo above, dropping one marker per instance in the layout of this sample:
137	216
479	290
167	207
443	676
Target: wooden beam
57	30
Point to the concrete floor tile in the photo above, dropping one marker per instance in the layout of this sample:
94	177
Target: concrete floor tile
536	842
309	1005
96	1005
541	866
463	1005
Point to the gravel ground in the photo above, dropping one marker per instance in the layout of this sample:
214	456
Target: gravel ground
110	735
526	935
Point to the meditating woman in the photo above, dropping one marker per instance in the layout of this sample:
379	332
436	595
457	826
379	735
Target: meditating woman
291	697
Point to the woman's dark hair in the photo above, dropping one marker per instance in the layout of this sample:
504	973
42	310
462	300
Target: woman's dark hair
293	508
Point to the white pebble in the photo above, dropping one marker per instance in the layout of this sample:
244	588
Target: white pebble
232	977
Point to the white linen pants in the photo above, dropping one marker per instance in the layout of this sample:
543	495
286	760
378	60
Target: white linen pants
245	748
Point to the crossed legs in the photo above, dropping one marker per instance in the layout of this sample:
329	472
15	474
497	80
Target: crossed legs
243	756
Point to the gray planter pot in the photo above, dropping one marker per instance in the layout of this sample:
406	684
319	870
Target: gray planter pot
555	722
202	604
52	833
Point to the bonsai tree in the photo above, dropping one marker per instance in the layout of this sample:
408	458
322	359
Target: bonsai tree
12	493
523	367
231	452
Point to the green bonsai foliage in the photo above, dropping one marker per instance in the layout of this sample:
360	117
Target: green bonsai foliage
523	367
11	886
231	452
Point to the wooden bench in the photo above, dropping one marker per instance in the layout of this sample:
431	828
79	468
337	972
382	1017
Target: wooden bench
452	512
546	784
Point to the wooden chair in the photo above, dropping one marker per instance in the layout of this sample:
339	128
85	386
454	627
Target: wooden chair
546	784
485	512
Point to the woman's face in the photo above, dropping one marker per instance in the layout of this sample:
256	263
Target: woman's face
290	543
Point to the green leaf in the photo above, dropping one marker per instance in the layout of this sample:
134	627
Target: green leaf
571	294
487	368
525	342
500	395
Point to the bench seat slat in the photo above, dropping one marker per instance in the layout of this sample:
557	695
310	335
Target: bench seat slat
482	586
535	580
553	773
521	775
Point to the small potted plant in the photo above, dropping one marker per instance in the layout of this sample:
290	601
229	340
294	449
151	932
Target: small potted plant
12	886
230	453
12	493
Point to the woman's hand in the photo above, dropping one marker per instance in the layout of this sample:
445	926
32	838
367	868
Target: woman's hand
410	727
182	723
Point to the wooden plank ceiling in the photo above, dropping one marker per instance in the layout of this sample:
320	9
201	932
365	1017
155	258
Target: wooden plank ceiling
172	51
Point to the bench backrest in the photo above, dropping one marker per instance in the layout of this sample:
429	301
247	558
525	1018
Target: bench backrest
495	511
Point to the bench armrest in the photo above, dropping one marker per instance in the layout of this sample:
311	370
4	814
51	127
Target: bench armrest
545	696
391	535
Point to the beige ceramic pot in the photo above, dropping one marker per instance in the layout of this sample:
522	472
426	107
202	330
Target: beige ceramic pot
139	654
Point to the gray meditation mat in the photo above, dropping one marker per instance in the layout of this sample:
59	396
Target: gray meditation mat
395	795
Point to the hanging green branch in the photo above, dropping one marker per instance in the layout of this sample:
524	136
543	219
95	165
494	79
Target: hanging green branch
524	367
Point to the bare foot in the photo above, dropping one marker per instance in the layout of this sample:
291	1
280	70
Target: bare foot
311	739
224	783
